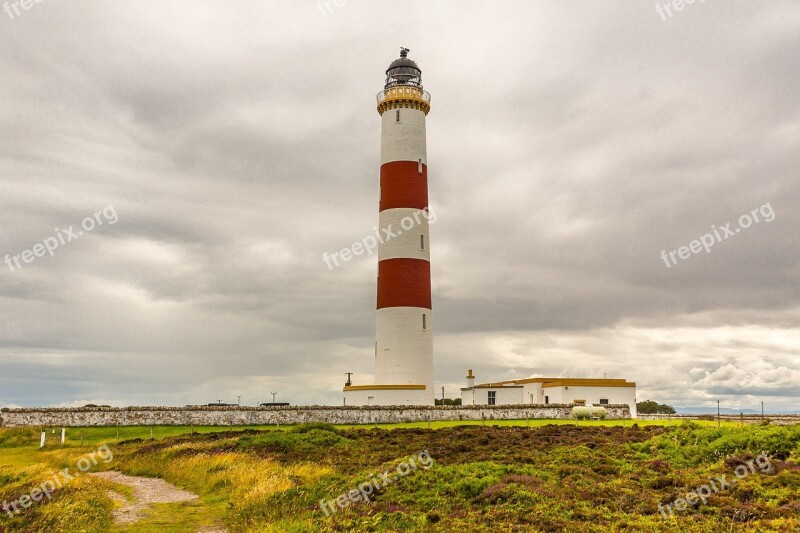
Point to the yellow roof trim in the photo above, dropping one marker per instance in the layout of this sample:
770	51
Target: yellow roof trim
564	382
588	383
385	387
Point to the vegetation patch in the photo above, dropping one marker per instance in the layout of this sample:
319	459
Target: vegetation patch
571	477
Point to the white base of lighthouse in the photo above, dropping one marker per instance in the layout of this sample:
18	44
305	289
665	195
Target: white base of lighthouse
358	395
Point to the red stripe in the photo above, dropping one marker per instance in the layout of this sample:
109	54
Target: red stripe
403	186
404	282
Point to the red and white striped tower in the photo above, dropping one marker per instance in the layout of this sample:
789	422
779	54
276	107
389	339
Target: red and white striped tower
404	343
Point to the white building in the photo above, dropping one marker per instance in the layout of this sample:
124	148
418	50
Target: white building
543	391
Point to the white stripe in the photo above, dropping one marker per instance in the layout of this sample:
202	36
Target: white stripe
404	354
406	242
403	140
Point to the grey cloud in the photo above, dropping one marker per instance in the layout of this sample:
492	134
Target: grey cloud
568	145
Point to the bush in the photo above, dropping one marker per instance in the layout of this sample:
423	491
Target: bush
283	442
649	407
321	426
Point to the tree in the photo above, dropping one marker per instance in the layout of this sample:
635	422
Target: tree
448	401
649	407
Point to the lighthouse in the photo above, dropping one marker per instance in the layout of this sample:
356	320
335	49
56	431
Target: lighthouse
404	327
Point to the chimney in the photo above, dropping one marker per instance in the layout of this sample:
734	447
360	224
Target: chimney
470	379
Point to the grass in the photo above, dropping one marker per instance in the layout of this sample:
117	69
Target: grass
539	475
96	436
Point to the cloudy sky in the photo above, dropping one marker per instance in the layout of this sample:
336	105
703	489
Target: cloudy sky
226	146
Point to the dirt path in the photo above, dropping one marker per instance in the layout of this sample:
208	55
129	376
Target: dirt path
146	491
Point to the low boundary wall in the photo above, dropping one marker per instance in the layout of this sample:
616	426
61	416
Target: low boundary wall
780	420
240	416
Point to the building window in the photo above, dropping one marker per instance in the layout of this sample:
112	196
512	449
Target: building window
419	166
397	116
422	242
424	321
546	400
603	401
492	399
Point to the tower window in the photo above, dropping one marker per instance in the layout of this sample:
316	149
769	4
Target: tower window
397	116
492	397
422	242
424	321
419	166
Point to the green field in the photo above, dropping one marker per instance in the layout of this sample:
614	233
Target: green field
541	475
111	434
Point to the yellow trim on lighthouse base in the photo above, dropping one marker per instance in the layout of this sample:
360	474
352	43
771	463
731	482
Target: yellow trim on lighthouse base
385	387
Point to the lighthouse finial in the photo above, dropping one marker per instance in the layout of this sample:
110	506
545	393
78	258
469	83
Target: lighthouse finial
404	51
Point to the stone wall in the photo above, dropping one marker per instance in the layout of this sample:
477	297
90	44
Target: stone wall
780	420
236	416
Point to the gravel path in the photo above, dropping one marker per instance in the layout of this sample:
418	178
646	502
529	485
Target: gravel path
146	491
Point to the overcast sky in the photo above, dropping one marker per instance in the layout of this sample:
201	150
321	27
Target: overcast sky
227	146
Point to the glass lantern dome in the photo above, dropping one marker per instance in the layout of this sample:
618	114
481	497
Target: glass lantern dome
403	71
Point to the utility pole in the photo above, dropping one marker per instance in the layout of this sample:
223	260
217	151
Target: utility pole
239	400
762	408
719	422
442	394
273	396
